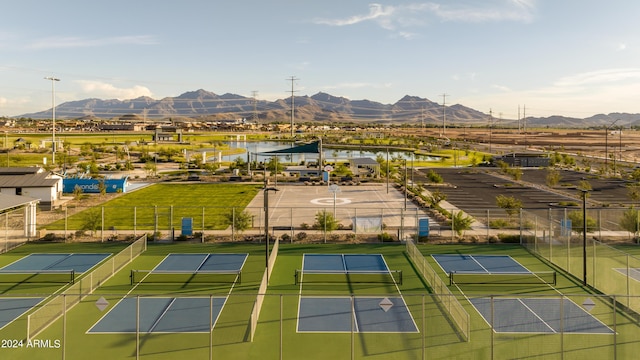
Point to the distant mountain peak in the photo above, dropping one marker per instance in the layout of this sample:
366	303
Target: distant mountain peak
321	106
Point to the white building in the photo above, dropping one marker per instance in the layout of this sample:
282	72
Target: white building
32	182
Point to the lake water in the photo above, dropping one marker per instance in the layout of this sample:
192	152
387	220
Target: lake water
259	147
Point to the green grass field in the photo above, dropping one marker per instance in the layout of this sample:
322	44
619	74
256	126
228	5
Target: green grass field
169	203
276	333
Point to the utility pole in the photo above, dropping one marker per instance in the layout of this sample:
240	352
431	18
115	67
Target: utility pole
444	114
490	130
254	94
292	79
524	124
53	116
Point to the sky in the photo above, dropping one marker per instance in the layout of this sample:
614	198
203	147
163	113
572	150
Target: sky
573	58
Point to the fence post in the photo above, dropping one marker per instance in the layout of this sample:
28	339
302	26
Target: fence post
135	221
102	224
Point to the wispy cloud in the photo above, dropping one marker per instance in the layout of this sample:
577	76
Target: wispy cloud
397	17
77	42
599	77
106	90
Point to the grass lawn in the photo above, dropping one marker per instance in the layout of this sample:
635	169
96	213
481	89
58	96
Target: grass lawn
168	203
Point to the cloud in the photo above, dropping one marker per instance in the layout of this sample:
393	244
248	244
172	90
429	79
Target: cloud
109	91
414	15
77	42
599	77
376	11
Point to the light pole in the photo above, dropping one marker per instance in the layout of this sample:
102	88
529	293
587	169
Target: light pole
584	237
53	115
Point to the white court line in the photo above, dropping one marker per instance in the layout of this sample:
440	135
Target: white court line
536	314
477	262
161	315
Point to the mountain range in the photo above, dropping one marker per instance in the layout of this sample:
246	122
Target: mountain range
202	105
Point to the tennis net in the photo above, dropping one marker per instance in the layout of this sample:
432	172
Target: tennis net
37	277
198	277
371	277
518	278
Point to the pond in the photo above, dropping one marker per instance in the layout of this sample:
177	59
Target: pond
256	149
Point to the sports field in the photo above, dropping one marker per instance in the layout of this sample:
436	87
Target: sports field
364	301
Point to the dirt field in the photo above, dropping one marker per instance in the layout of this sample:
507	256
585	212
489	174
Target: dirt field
591	143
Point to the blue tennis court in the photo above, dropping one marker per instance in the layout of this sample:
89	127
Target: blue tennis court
344	263
12	308
202	262
490	264
365	314
358	313
79	263
161	315
537	315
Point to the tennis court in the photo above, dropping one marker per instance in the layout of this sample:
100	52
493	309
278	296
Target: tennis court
162	314
49	268
79	263
537	315
13	307
350	313
517	314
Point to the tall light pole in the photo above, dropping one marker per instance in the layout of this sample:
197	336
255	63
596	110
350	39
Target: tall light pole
53	116
584	237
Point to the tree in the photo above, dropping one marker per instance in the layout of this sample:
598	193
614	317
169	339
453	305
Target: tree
436	197
553	177
630	221
325	221
102	188
583	188
92	220
577	221
460	222
510	204
434	177
77	192
239	220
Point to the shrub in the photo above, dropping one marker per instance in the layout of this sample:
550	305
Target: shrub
385	237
